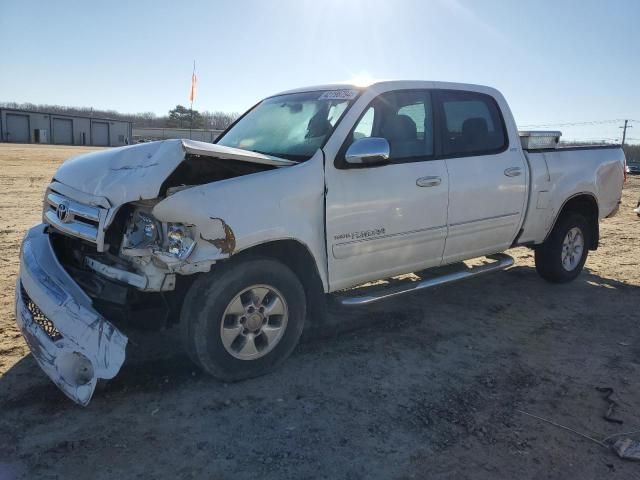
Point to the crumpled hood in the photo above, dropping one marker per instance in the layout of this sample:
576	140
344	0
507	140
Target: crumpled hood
137	172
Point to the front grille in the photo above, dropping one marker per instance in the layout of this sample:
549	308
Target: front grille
39	317
71	217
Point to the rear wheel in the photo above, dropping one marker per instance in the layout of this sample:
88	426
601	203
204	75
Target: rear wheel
562	256
243	320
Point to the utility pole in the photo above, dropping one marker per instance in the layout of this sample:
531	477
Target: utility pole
624	131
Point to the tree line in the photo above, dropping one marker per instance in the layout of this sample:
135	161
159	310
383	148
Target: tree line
632	153
178	117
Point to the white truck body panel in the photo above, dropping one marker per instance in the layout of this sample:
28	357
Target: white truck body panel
136	172
486	207
559	175
370	238
290	208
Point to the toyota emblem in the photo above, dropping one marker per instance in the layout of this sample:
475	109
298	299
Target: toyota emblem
62	212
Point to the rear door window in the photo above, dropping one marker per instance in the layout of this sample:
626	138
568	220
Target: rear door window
472	124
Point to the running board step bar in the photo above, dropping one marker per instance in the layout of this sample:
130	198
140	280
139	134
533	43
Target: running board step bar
501	262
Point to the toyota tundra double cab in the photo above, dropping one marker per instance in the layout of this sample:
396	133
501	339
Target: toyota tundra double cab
308	194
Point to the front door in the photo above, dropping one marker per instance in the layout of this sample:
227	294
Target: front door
487	178
389	219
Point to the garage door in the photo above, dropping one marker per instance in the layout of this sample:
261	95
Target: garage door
100	133
62	131
17	128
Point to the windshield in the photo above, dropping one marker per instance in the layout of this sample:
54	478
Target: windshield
291	126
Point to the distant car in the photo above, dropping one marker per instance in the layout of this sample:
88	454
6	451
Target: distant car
633	168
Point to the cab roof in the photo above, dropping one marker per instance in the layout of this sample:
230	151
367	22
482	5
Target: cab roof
385	85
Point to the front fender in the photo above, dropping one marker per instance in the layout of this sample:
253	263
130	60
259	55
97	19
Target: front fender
238	213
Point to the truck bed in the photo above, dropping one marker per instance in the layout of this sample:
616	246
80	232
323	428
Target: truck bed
559	174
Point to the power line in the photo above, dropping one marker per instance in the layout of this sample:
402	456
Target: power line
604	130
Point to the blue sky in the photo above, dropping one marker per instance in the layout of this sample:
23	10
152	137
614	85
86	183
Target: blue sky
555	61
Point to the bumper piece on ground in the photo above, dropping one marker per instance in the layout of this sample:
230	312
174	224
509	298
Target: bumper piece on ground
72	343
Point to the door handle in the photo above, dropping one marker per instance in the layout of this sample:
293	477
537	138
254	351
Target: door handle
513	171
428	181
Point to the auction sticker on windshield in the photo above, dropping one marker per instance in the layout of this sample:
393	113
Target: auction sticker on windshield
344	94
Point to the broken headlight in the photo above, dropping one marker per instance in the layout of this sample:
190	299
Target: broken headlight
180	243
144	231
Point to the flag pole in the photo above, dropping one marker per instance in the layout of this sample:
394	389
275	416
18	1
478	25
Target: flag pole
192	95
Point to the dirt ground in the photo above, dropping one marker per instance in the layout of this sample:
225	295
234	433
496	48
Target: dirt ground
426	386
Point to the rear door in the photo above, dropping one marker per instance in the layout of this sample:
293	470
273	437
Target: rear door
388	219
487	178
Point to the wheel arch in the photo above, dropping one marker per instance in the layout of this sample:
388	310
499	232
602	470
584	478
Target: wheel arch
586	204
298	257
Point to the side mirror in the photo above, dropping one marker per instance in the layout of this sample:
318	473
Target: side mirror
368	151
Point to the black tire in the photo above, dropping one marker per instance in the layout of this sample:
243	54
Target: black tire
206	301
548	256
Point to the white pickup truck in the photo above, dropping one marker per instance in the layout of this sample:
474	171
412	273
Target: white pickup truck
311	192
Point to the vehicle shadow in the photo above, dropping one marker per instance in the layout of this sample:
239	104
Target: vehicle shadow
156	362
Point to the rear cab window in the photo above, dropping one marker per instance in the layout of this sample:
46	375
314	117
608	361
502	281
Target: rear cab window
472	124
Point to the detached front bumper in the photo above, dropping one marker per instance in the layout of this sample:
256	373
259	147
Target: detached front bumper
71	342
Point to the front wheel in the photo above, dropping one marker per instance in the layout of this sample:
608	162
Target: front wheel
562	256
243	320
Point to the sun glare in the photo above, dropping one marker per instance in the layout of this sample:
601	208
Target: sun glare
361	79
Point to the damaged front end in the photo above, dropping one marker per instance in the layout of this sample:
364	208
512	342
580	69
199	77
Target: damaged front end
114	246
81	346
147	253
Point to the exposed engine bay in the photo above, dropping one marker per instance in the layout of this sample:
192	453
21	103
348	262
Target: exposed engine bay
198	170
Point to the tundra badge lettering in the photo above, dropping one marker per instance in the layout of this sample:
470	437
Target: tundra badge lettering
376	232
